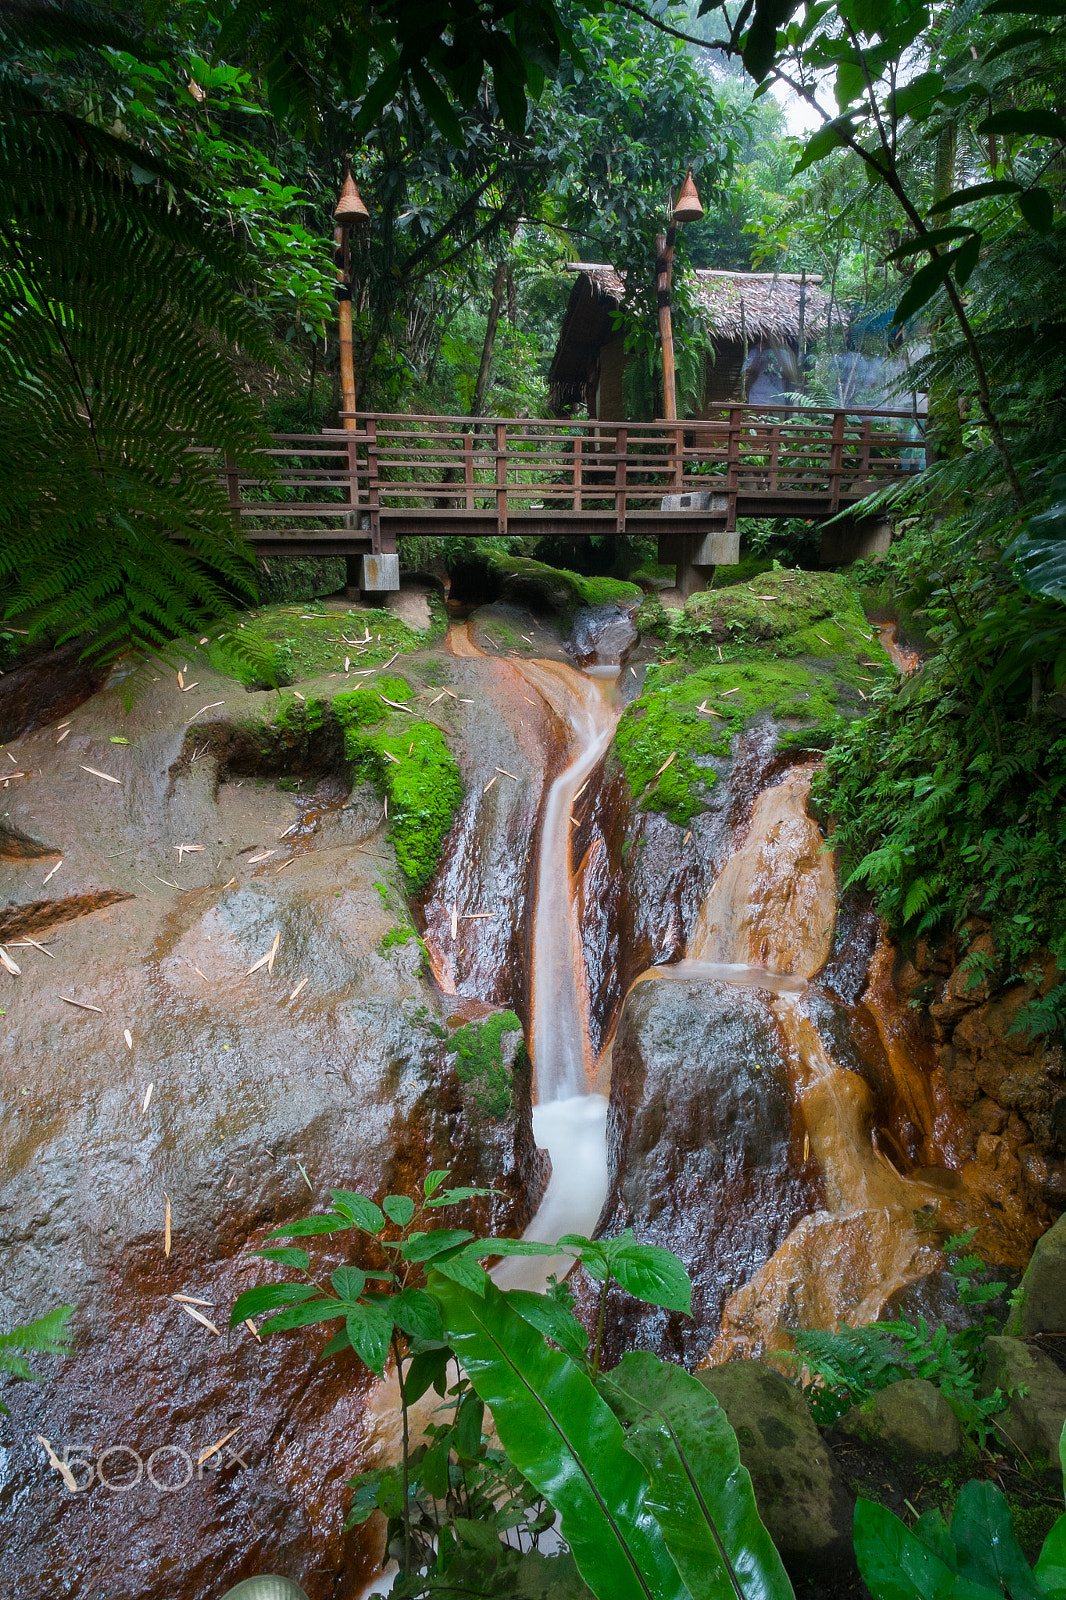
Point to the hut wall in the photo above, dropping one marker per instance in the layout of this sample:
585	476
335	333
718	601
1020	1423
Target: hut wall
725	374
610	402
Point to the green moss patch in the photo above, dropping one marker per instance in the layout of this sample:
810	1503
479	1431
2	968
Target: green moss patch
286	644
793	646
410	763
574	588
479	1061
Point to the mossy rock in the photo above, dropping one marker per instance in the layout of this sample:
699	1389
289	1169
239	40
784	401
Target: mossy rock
911	1418
1040	1305
539	586
282	645
485	1056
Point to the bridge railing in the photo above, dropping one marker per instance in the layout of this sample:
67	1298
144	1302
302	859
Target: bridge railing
457	474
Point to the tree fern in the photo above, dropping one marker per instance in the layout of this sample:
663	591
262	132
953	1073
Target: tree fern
119	319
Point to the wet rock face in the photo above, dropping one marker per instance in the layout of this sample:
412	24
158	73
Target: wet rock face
260	1100
910	1418
44	689
702	1144
602	635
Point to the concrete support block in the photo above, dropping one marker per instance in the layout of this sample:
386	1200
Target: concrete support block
863	539
380	574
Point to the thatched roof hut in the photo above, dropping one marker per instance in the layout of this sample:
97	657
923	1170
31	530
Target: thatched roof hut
751	314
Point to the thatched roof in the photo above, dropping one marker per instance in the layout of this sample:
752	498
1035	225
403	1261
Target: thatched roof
739	305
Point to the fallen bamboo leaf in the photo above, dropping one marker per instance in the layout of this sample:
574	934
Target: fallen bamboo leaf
268	959
167	881
303	1173
763	596
189	686
476	916
441	697
505	772
230	884
64	724
859	692
82	1003
284	864
188	849
230	1183
721	657
302	983
410	747
248	1323
581	791
181	681
389	757
62	736
825	640
455	922
197	971
385	809
264	857
729	691
39	947
388	663
191	1311
214	704
203	640
190	1300
127	1035
212	1449
166	1226
707	710
60	1466
530	702
806	1146
9	965
105	775
147	1098
347	663
395	704
465	702
671	757
7	776
487	787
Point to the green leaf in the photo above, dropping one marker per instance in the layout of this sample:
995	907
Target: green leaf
700	1493
461	1270
267	1297
418	1314
1015	39
363	1212
966	257
1038	209
348	1282
286	1257
551	1319
303	1316
923	286
336	1345
469	1426
1025	124
935	236
510	1247
821	144
369	1328
424	1246
399	1208
979	191
436	103
433	1181
478	1535
916	98
332	1222
650	1273
562	1436
760	41
983	1535
1050	1571
894	1564
452	1197
428	1369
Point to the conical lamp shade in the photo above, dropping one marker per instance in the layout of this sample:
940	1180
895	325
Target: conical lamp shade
688	208
350	207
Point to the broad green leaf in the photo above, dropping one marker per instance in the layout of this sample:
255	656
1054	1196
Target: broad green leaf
363	1212
1040	552
894	1564
650	1273
434	1468
339	1342
369	1328
331	1222
983	1535
303	1316
1025	124
979	191
286	1257
1050	1571
821	144
436	103
760	41
469	1426
461	1270
453	1197
564	1438
510	1247
700	1493
479	1535
1014	41
348	1282
551	1319
1038	209
966	257
424	1246
923	286
916	98
937	236
267	1297
428	1369
418	1314
935	1534
433	1180
399	1208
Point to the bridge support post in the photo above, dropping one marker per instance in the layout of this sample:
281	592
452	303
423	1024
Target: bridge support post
857	539
696	555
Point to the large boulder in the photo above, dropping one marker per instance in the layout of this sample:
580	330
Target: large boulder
911	1418
800	1494
1036	1410
1041	1305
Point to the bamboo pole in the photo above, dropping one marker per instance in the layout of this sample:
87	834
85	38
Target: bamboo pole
664	270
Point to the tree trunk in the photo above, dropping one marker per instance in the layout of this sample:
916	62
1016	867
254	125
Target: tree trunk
499	286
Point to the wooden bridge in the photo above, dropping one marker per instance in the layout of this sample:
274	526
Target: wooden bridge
358	490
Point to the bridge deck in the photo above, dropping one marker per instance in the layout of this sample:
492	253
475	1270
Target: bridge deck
384	477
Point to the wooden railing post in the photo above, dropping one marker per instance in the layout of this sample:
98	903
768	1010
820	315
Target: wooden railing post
732	481
775	456
677	450
373	492
468	470
865	442
578	471
621	445
836	460
233	486
501	477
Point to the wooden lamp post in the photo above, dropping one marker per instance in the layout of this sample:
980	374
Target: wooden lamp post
687	209
349	212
